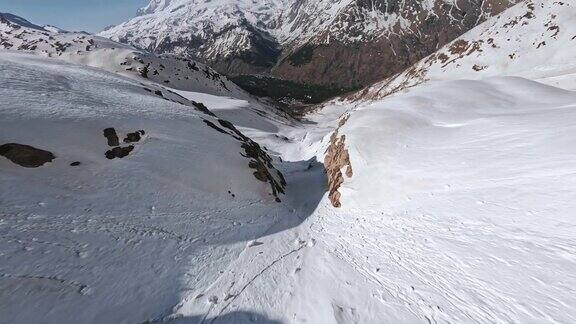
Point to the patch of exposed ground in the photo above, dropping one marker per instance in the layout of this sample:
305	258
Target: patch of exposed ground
134	137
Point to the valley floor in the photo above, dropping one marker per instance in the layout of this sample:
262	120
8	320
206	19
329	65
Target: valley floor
460	209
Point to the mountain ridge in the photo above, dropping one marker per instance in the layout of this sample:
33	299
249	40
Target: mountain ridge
300	40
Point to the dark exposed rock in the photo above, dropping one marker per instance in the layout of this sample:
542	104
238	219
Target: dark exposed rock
112	137
202	107
193	66
336	159
134	137
75	163
119	152
144	71
25	155
198	105
212	125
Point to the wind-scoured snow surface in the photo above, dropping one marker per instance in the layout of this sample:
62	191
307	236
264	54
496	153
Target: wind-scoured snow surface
455	202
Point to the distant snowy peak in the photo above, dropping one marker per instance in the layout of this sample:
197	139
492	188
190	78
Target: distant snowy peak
300	40
54	29
16	33
13	21
206	30
534	39
288	20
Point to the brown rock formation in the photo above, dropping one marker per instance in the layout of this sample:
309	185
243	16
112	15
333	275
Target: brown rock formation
336	159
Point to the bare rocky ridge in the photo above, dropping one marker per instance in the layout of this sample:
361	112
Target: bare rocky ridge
344	43
260	161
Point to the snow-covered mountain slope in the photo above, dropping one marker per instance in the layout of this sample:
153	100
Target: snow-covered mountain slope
450	202
298	40
455	206
458	209
114	197
534	39
184	74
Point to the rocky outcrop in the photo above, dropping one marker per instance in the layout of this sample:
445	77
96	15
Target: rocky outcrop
25	155
134	137
336	160
117	151
111	137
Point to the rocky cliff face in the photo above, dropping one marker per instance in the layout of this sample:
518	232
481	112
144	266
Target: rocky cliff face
373	39
346	43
